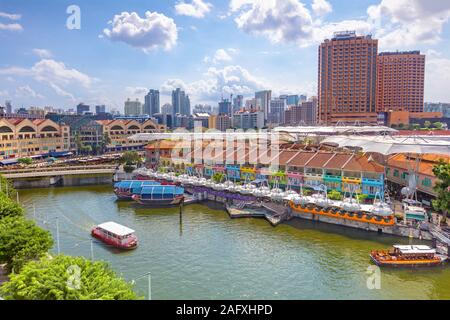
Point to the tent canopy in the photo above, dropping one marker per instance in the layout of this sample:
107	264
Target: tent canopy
387	145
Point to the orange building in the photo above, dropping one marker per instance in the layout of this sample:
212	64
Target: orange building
347	78
400	81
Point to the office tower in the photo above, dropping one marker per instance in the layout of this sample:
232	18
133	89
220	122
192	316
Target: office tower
263	101
302	98
400	81
238	103
180	103
151	104
100	109
277	109
225	107
187	106
8	107
167	109
308	112
347	79
82	108
248	120
292	100
250	104
133	108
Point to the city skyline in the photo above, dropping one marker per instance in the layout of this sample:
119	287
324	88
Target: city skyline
209	49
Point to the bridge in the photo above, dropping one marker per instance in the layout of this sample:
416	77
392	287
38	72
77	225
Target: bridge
57	171
442	238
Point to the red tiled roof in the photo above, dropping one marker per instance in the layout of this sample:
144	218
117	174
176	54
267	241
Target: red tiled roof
362	163
320	159
301	159
338	161
423	132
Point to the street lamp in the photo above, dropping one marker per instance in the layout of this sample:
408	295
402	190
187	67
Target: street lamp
148	274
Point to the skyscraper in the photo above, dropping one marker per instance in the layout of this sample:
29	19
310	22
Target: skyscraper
151	104
8	107
277	109
238	103
225	107
180	103
100	109
347	79
133	108
263	101
400	81
82	108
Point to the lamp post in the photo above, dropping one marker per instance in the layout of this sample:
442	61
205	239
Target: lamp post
148	274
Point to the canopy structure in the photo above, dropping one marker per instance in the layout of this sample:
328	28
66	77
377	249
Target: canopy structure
328	130
388	145
116	228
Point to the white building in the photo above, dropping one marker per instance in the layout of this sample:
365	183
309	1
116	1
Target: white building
248	120
133	108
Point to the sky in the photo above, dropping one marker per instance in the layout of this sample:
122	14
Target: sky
60	53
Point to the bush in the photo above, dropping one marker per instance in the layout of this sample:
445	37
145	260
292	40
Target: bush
67	278
128	168
26	161
335	195
9	208
22	240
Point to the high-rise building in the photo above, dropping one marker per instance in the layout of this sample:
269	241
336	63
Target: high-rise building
347	78
100	109
309	112
180	103
400	81
225	107
220	122
133	108
248	120
263	101
82	108
166	109
151	104
238	103
251	104
277	109
8	106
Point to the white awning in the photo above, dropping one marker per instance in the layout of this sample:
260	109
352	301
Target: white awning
415	249
328	130
387	145
116	228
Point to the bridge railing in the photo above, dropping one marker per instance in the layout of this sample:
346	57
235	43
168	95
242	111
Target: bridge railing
58	168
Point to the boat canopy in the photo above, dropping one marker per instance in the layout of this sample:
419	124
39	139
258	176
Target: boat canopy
115	228
387	145
162	190
414	249
133	184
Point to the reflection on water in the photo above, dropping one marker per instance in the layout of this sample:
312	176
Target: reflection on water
202	254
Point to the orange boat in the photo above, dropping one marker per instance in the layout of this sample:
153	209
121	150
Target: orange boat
407	256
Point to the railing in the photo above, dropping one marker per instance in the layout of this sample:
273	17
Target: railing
60	168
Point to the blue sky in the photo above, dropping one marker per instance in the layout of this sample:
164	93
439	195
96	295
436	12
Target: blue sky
210	48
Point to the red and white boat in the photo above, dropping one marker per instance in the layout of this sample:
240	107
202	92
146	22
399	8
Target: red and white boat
115	235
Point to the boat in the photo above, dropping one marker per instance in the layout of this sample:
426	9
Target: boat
407	256
413	210
115	235
124	190
160	196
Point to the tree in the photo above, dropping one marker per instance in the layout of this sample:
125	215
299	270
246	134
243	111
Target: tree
442	187
131	158
361	197
22	240
416	126
218	177
335	195
67	278
438	125
9	208
427	124
26	161
7	187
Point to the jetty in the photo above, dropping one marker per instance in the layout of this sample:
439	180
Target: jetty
271	212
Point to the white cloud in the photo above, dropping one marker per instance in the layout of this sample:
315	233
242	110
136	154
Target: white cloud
196	9
321	7
221	55
61	92
152	32
10	16
42	53
437	77
136	91
27	92
4	93
11	27
405	23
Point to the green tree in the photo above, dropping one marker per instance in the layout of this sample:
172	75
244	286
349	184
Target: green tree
22	240
7	187
416	126
427	124
361	197
442	188
131	158
218	177
438	125
335	195
67	278
9	208
26	161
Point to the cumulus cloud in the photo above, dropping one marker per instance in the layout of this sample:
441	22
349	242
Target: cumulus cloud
42	53
196	8
404	23
61	92
321	7
10	16
27	92
10	26
221	55
136	91
437	77
153	31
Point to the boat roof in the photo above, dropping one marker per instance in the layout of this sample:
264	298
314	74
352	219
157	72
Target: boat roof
414	249
116	228
136	183
162	190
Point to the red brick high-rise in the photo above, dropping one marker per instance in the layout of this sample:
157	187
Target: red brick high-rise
347	79
400	81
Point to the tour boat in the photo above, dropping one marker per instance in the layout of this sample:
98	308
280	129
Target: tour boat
414	210
160	196
115	235
407	256
125	189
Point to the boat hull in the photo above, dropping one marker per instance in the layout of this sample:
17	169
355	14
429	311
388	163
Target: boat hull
102	238
407	263
159	203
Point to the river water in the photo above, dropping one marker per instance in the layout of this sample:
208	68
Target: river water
203	254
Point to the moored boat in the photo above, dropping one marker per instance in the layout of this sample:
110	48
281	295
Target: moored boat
115	235
125	189
160	196
407	256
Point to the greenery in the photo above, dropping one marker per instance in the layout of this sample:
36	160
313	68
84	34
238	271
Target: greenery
131	158
218	177
20	241
442	188
26	161
438	125
67	278
427	124
361	197
128	168
335	195
9	208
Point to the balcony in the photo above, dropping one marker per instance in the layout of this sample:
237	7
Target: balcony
351	180
332	178
372	182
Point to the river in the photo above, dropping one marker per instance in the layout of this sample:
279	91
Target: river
203	254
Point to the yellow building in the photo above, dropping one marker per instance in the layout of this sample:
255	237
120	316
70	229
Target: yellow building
25	138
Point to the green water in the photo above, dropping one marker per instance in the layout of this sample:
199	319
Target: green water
206	255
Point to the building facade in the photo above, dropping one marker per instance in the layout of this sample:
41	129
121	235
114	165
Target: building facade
262	99
180	103
133	108
277	111
151	104
400	81
347	78
248	120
